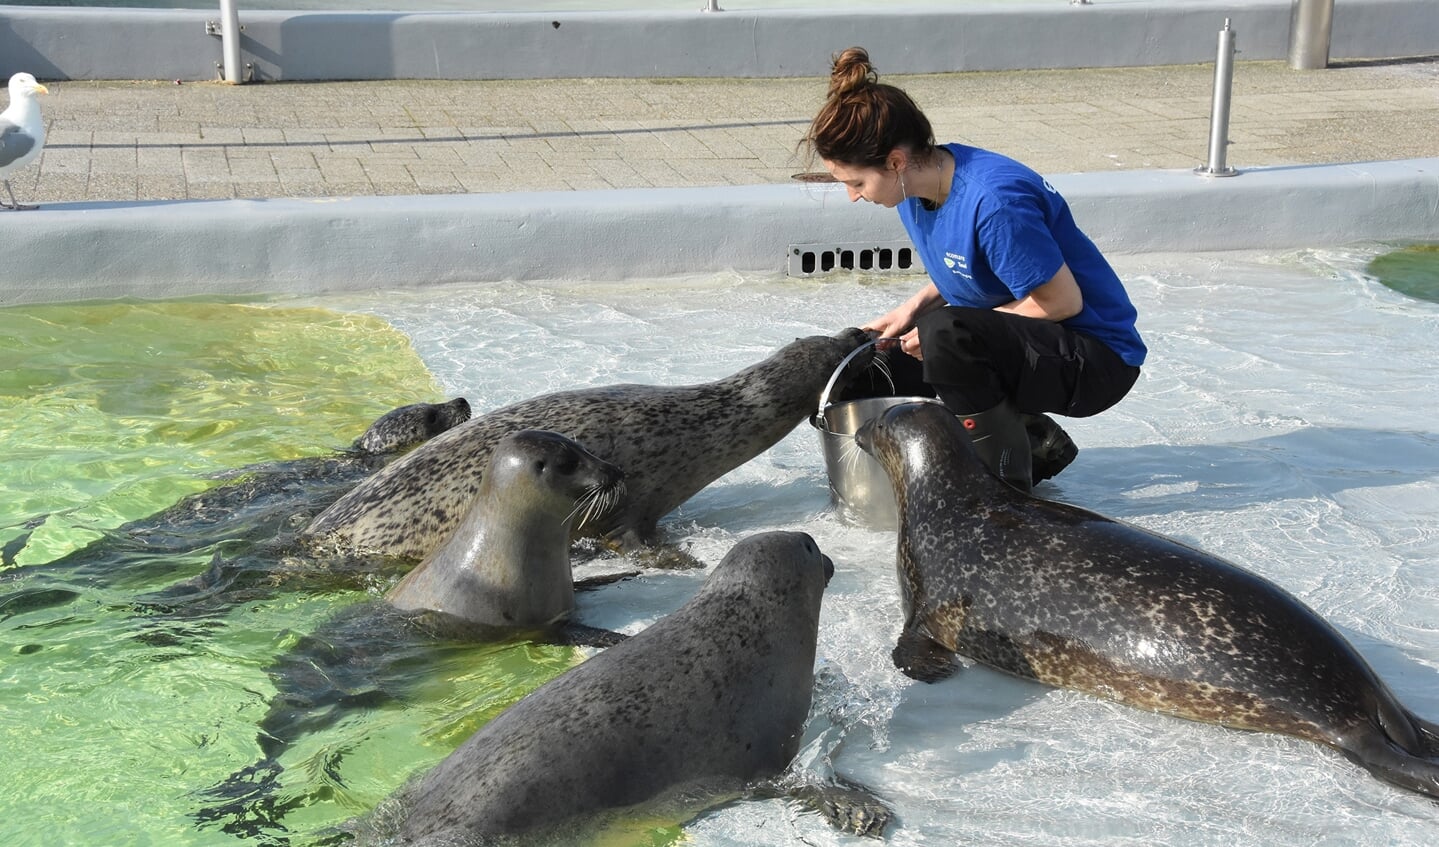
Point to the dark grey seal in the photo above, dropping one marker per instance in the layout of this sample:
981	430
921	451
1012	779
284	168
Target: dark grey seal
670	442
251	505
1068	597
504	576
692	712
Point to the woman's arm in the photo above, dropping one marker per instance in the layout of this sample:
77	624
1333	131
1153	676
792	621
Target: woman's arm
1055	300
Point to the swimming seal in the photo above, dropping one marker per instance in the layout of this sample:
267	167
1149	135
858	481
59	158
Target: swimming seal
1068	597
678	718
670	442
252	504
504	575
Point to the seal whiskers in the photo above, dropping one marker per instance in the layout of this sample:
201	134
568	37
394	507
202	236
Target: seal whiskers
1070	598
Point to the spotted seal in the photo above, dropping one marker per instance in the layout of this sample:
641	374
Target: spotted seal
670	441
504	574
1068	597
678	718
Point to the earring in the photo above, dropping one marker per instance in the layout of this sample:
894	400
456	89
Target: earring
902	192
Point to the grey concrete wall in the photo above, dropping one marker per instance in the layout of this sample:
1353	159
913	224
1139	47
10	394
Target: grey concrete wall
67	252
89	43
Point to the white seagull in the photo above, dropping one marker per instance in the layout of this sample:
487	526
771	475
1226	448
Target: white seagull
22	131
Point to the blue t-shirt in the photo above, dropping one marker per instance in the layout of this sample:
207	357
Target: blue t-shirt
1002	232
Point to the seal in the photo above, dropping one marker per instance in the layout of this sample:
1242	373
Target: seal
1070	598
403	428
508	561
251	505
504	575
670	441
673	720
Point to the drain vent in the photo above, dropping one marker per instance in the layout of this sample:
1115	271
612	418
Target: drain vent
893	257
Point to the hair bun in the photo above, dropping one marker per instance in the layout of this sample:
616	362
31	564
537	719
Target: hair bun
850	69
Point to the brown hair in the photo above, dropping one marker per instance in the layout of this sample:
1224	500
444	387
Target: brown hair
864	119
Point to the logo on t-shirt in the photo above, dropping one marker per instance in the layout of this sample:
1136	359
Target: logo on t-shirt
957	264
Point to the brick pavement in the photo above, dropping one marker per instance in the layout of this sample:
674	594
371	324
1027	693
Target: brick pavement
120	141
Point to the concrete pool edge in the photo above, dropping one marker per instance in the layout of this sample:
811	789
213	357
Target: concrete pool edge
79	251
123	43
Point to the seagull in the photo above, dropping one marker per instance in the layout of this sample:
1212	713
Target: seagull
22	131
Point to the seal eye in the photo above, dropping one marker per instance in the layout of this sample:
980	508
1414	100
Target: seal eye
539	466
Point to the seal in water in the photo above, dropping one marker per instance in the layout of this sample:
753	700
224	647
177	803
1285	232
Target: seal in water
678	718
508	561
253	504
1068	597
670	441
504	575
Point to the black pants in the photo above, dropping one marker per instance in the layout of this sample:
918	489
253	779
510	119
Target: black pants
976	358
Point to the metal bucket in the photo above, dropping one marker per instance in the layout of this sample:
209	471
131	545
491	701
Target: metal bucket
859	489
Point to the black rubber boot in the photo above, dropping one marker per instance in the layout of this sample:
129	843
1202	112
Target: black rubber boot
1000	440
1050	447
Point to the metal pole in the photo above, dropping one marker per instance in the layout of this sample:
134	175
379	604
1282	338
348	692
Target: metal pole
712	7
230	41
1310	24
1219	111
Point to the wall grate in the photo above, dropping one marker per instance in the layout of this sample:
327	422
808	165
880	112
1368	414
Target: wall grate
891	257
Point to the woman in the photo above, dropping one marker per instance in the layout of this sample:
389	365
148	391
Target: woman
1022	315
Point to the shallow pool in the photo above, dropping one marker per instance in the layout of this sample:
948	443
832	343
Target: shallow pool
1284	421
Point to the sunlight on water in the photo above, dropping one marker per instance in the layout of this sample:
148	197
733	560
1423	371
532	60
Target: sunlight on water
1284	421
109	411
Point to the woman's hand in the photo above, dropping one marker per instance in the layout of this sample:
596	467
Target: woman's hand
899	321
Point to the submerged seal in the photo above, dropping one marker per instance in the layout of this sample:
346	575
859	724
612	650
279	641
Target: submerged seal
504	574
1068	597
673	720
670	441
253	504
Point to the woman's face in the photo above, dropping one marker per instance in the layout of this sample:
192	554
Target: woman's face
877	185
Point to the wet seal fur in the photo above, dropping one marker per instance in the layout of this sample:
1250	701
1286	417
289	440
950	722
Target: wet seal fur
1062	595
504	575
670	441
508	561
685	715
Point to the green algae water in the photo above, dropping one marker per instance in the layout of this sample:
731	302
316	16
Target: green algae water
113	721
1411	270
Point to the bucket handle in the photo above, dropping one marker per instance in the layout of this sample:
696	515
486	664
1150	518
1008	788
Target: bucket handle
834	377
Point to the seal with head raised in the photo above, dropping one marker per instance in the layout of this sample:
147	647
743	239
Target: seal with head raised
687	714
670	441
504	574
508	561
1068	597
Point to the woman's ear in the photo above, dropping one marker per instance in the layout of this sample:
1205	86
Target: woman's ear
897	160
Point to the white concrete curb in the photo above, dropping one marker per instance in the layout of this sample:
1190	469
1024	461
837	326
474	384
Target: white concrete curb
66	252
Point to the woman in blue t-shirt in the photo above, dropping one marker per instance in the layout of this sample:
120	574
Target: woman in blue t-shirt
1022	315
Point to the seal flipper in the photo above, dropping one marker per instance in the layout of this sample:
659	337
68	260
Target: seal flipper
845	805
921	658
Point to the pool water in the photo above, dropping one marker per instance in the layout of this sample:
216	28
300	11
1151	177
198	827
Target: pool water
1284	421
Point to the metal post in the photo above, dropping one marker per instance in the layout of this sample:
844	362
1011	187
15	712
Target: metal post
230	41
1219	110
1310	24
712	7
